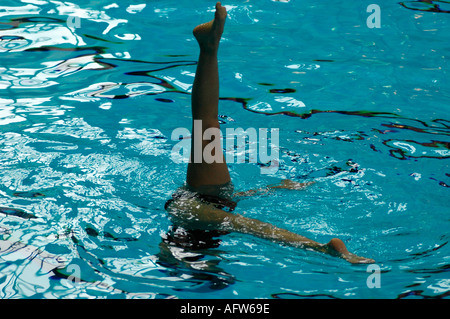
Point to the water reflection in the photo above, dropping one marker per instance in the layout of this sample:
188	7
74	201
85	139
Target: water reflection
31	33
426	5
25	269
397	124
195	259
61	152
32	78
28	271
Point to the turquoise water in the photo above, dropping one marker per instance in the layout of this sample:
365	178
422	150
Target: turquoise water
88	105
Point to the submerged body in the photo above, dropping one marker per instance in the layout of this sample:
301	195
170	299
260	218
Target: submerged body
203	208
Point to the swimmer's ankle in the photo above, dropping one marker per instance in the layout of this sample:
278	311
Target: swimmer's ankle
208	34
209	51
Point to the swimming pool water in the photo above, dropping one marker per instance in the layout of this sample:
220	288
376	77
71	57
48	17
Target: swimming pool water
88	105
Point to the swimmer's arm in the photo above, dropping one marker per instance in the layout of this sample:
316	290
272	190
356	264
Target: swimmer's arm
284	184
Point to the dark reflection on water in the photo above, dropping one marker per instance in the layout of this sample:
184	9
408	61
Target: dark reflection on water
293	295
419	293
194	269
199	267
409	294
425	5
95	272
435	127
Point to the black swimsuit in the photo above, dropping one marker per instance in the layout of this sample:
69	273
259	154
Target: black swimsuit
220	203
220	196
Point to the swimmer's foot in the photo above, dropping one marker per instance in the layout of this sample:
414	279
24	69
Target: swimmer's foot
208	34
336	247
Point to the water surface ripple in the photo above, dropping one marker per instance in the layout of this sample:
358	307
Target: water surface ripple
91	92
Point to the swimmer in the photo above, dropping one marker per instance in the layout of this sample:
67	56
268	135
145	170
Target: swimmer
202	209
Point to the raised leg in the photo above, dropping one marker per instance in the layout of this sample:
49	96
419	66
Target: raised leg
205	102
